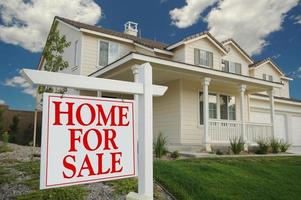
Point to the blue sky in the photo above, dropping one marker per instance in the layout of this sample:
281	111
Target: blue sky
276	34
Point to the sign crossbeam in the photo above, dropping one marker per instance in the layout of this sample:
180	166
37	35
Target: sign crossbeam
55	79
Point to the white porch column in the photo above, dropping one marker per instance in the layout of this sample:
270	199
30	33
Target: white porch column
99	94
242	115
272	110
143	74
205	84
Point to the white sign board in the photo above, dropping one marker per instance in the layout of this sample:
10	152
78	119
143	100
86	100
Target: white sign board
86	139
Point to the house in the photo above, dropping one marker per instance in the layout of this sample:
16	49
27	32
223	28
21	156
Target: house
216	91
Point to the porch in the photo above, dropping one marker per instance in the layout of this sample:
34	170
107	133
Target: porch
177	114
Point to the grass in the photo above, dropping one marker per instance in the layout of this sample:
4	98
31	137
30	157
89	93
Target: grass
231	178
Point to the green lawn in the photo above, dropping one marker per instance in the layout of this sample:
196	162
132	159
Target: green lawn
231	178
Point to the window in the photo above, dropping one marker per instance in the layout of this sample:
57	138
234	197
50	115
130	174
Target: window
108	52
231	67
226	104
204	58
75	53
267	77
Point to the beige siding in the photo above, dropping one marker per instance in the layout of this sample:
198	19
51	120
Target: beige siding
206	45
167	113
179	54
191	130
90	52
268	69
235	56
71	35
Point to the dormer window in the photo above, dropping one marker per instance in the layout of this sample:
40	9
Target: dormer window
203	58
267	77
231	67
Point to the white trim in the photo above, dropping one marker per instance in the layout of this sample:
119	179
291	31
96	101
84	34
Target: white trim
276	100
207	71
163	52
143	47
269	61
69	25
107	35
251	61
286	78
205	35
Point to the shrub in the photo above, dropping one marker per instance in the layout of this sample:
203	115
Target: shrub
275	145
124	186
5	137
263	146
219	152
284	146
237	145
174	154
160	146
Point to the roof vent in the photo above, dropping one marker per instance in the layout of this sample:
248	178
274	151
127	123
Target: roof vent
131	28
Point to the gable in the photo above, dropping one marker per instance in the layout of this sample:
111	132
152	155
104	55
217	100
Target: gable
268	68
237	52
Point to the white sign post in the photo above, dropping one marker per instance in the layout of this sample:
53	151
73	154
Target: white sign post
86	150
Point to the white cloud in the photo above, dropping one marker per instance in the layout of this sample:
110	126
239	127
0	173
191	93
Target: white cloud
249	22
2	102
20	82
297	19
190	13
27	23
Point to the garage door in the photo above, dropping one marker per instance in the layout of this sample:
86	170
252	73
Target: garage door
280	127
296	131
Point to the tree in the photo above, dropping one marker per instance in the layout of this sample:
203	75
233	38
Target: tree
14	129
1	120
52	54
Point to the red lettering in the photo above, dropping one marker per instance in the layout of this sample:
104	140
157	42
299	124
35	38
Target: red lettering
109	139
88	167
115	161
98	140
58	112
79	116
69	166
100	165
73	138
123	115
105	119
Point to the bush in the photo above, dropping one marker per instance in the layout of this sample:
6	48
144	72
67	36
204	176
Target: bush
263	146
124	186
284	146
174	154
275	145
237	145
219	152
5	137
160	146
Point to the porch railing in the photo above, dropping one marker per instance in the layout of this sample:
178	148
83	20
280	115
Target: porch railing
221	131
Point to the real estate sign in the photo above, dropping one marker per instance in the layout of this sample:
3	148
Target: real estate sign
86	139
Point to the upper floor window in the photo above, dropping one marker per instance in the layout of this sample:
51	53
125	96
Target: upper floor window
108	52
267	77
202	57
231	67
76	53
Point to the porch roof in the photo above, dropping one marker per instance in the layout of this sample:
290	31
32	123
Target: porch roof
133	58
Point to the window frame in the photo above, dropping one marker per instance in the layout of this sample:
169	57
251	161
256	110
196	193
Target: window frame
231	66
109	48
218	114
75	61
199	57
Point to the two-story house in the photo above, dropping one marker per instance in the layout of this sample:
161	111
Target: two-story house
216	91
